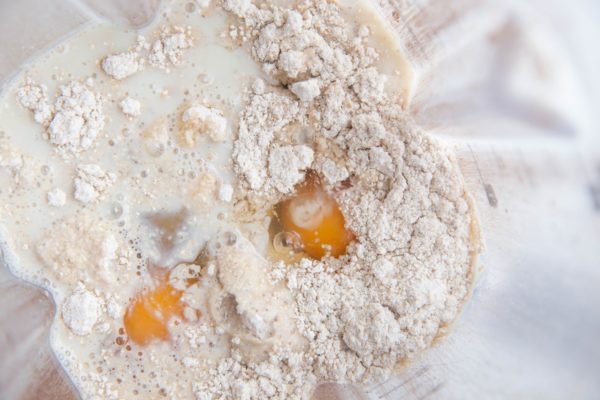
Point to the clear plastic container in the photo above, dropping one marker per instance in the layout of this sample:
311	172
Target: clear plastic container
516	99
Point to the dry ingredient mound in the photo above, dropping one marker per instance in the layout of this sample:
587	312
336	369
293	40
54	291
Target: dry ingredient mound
403	281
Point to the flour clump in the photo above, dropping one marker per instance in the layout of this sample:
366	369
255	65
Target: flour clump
131	107
121	65
81	311
73	121
78	117
35	98
91	181
167	50
56	197
199	120
163	52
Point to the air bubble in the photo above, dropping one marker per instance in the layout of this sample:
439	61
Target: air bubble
190	7
286	242
230	238
155	149
116	210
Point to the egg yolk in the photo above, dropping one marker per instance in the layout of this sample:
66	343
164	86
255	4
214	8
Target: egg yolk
148	316
314	216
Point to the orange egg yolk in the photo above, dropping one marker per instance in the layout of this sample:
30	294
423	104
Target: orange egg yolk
316	218
148	316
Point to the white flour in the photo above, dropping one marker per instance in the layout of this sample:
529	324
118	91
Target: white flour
225	192
199	120
75	119
81	311
122	65
131	107
35	98
167	50
163	53
18	165
91	181
56	197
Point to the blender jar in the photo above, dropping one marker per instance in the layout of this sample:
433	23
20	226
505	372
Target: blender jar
514	98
